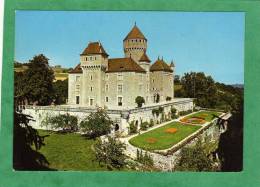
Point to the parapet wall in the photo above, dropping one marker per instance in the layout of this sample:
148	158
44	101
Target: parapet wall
122	117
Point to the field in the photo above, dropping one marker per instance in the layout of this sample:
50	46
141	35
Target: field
60	76
163	137
69	152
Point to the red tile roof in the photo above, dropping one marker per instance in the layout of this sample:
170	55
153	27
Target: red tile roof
160	65
94	48
135	33
124	65
77	69
144	58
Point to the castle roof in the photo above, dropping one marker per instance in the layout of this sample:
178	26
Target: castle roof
94	48
124	65
135	33
144	58
160	65
77	69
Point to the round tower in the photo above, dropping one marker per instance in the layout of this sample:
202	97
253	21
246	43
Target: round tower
135	44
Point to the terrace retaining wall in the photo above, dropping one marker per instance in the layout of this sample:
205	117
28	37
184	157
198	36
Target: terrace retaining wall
165	160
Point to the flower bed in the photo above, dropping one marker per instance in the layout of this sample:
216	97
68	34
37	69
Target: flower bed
171	130
163	137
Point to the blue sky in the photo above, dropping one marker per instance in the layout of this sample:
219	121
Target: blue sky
199	41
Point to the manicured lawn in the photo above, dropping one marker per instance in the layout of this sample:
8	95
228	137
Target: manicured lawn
206	115
163	137
69	152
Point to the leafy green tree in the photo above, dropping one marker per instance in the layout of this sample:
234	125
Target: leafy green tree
97	124
60	91
65	122
201	87
139	101
194	158
26	145
37	81
110	152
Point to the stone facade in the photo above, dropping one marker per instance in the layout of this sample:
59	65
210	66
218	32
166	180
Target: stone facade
115	83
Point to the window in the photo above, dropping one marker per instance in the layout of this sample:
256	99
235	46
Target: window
77	100
86	58
120	101
106	89
91	101
153	80
90	58
91	77
95	58
77	78
91	88
107	76
119	76
106	99
120	88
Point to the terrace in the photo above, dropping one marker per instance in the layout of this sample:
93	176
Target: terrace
171	134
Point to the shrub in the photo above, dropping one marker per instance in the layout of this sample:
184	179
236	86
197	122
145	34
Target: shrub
96	124
132	127
139	101
151	124
144	125
182	113
173	113
156	111
110	152
65	122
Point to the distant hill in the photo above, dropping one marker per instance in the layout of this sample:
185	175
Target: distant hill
60	73
237	85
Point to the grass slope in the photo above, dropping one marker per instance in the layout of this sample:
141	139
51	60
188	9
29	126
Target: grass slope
207	115
69	152
163	139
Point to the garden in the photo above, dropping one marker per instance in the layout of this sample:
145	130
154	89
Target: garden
163	137
200	117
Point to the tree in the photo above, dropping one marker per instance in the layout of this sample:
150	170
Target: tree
60	91
37	81
110	152
97	124
194	158
201	87
177	79
26	144
139	101
65	122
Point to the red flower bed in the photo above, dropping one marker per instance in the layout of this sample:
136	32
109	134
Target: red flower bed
171	130
151	140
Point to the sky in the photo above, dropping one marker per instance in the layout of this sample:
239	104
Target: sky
209	42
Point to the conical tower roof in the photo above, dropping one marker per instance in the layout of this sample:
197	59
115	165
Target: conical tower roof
135	33
160	65
94	48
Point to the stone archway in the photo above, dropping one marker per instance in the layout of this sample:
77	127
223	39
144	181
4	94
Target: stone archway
116	127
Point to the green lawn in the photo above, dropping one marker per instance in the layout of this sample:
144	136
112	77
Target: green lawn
69	152
162	139
207	115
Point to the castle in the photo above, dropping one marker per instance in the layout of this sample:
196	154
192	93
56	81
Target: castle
114	83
